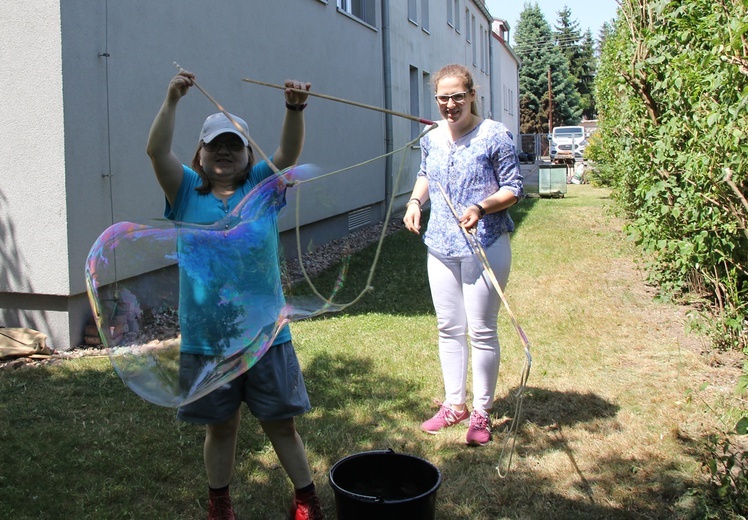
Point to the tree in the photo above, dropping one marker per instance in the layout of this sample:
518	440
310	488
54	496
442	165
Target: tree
585	75
605	31
567	35
580	54
536	49
672	90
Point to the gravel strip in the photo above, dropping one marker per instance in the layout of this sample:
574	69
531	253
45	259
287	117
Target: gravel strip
315	262
328	254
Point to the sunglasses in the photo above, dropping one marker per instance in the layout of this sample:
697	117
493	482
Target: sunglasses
231	146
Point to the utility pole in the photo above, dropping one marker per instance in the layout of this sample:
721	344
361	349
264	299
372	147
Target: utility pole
550	103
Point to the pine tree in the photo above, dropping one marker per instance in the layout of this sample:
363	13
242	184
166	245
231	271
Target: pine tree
586	76
536	49
567	35
605	31
580	54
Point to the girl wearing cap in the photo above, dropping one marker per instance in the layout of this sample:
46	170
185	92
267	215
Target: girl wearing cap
222	172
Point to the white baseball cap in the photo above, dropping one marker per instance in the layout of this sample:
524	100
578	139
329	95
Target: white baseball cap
218	124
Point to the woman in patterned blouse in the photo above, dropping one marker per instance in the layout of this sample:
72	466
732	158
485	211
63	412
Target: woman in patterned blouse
474	162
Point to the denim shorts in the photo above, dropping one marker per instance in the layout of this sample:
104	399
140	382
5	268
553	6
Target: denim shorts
273	390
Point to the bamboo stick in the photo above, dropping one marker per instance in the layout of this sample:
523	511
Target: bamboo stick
341	100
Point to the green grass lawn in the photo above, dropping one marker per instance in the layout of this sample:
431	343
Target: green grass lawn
608	430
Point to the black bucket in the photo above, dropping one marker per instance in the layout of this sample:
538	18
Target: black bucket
385	485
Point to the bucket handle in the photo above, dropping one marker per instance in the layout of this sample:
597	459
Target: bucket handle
365	498
368	497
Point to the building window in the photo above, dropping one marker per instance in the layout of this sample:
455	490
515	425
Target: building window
425	15
468	34
472	31
511	102
412	11
482	49
361	9
457	15
420	99
427	99
480	39
415	102
450	14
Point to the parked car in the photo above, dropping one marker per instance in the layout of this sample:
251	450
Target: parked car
567	144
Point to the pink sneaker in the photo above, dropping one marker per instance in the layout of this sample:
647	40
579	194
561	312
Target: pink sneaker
444	417
479	432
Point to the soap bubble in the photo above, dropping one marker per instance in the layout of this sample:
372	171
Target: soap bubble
163	288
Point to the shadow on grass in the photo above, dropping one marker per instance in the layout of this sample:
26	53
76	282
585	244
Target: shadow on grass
337	383
362	408
549	408
78	444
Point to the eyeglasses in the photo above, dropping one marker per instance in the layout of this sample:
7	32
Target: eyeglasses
457	97
231	146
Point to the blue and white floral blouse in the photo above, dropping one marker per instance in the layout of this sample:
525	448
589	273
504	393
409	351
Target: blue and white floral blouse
470	169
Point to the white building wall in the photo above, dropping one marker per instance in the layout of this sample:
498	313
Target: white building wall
32	191
505	82
83	81
456	32
33	211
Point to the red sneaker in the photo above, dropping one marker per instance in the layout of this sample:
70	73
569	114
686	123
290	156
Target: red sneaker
220	508
309	508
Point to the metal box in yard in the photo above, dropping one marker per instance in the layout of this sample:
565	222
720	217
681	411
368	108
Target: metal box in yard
552	180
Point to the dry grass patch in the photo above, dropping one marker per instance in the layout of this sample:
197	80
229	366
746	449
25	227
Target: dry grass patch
618	403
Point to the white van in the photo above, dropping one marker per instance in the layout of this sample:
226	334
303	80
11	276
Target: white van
567	143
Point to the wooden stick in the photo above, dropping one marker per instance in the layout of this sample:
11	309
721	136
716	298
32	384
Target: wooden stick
481	253
510	442
341	100
237	125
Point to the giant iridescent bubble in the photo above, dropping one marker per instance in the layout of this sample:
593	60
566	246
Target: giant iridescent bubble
163	288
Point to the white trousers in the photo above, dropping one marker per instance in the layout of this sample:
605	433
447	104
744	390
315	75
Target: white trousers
467	306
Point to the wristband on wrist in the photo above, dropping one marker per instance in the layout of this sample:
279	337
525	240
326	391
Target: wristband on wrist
296	108
414	201
481	211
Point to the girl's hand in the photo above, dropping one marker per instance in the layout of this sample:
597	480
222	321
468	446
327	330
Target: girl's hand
293	97
470	218
180	84
412	218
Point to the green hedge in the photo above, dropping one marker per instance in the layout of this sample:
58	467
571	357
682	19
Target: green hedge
672	95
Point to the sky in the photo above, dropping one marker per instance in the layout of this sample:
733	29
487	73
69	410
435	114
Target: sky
588	13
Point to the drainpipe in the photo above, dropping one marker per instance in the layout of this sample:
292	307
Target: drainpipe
491	71
387	76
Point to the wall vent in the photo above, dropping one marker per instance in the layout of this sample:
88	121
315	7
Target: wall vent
358	218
